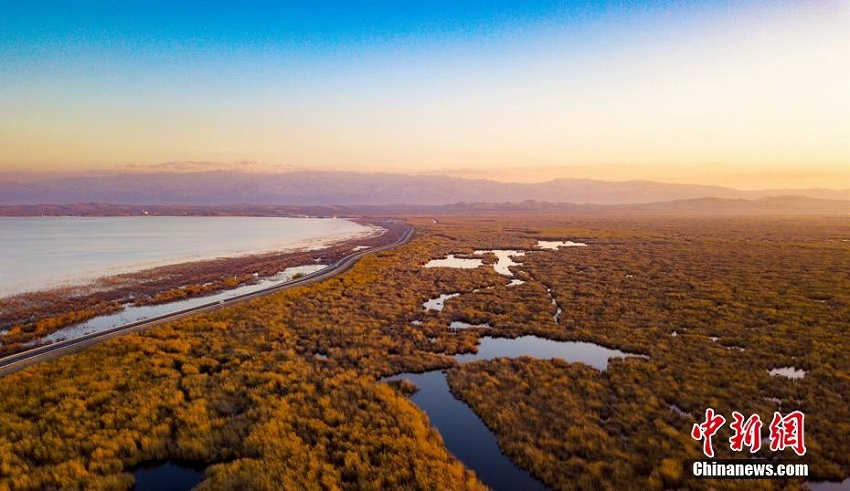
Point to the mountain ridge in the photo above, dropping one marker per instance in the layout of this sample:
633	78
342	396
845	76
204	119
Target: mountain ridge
315	188
771	205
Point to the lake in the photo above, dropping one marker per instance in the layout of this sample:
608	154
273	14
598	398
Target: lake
42	252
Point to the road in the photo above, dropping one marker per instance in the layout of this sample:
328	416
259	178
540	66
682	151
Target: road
19	361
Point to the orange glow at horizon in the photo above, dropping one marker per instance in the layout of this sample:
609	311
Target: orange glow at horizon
752	98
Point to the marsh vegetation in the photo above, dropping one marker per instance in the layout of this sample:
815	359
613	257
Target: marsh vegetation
243	391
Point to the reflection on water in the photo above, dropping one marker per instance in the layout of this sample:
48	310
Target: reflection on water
137	313
789	372
544	349
463	432
168	476
505	260
42	252
439	302
465	435
551	245
557	315
467	325
454	262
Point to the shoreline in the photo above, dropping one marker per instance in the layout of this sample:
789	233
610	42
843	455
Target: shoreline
34	315
48	351
87	279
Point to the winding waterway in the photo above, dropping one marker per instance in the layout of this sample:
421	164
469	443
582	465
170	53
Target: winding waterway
463	432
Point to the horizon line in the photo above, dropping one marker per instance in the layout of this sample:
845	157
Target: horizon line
29	175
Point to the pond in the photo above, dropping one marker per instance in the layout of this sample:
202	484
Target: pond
168	476
463	432
454	262
552	245
788	372
544	349
439	302
467	325
504	261
502	265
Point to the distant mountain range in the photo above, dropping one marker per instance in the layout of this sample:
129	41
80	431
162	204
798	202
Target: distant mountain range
781	205
309	188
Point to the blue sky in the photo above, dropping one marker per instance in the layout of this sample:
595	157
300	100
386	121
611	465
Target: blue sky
679	91
292	24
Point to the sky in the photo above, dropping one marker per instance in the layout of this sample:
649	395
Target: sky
746	94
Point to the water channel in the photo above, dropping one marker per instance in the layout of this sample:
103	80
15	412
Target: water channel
463	432
132	313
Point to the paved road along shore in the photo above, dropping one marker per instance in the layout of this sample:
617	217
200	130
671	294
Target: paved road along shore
19	361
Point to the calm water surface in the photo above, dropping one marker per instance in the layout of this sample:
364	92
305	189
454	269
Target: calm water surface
465	435
544	349
41	252
168	476
133	313
463	432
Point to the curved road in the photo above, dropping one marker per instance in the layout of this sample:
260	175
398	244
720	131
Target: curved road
19	361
